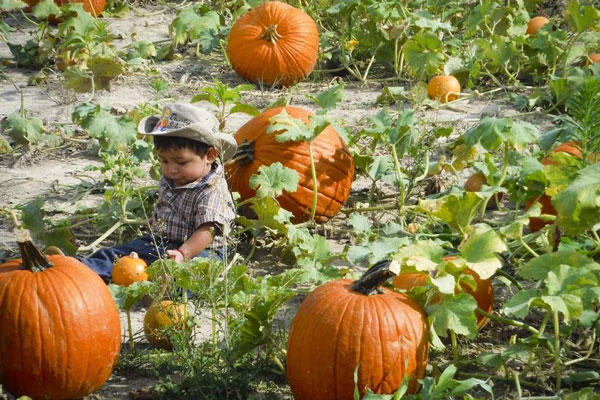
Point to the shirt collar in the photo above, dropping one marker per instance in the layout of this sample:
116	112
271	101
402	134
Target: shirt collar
214	171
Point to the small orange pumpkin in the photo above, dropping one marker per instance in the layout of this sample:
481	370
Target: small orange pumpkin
60	332
443	88
335	166
343	325
274	43
129	269
483	294
535	24
160	316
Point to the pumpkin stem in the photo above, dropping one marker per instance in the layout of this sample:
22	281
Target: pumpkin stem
244	154
33	259
376	276
271	34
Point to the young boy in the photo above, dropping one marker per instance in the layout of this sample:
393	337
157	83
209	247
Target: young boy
194	208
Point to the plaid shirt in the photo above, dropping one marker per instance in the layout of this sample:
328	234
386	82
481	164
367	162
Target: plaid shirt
179	211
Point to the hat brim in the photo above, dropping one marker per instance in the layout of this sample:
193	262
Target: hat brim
225	144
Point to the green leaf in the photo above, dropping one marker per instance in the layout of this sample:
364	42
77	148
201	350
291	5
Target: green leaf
293	129
479	249
491	133
520	303
456	209
245	108
104	69
45	8
578	205
271	215
59	235
22	130
456	313
329	99
420	256
11	5
197	22
77	80
359	223
102	125
272	180
538	268
141	49
424	53
581	18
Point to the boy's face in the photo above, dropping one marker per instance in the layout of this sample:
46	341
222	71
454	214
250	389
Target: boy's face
184	166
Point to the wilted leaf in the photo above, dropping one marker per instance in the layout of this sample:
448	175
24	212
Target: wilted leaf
22	130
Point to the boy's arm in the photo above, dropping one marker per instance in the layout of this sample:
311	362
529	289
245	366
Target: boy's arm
195	243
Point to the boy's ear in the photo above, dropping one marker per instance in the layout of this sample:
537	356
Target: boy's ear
211	154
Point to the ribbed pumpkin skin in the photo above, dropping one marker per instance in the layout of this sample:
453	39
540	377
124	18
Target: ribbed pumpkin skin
94	7
336	328
333	161
285	61
535	24
60	333
443	88
484	294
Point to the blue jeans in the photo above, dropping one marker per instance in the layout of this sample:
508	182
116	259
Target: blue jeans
103	260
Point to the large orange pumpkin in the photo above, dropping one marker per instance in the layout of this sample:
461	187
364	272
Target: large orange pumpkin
274	43
344	324
334	164
60	333
443	88
483	294
94	7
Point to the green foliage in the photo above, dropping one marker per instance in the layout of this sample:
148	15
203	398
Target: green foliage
272	180
48	231
222	96
99	123
198	25
22	130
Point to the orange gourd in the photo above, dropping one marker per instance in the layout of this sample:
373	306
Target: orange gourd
443	88
483	294
129	269
334	164
273	44
344	324
165	314
60	333
535	24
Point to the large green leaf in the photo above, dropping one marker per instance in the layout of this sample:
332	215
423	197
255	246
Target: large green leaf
272	180
454	312
492	132
45	8
22	130
581	18
456	209
578	205
479	249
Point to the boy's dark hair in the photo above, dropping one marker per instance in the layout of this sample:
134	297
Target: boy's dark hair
178	143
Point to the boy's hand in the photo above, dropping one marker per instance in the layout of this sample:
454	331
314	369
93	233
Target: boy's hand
176	255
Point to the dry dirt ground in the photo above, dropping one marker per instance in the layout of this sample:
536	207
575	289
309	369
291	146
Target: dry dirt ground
50	172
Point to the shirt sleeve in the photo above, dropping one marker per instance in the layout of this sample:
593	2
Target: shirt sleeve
215	206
